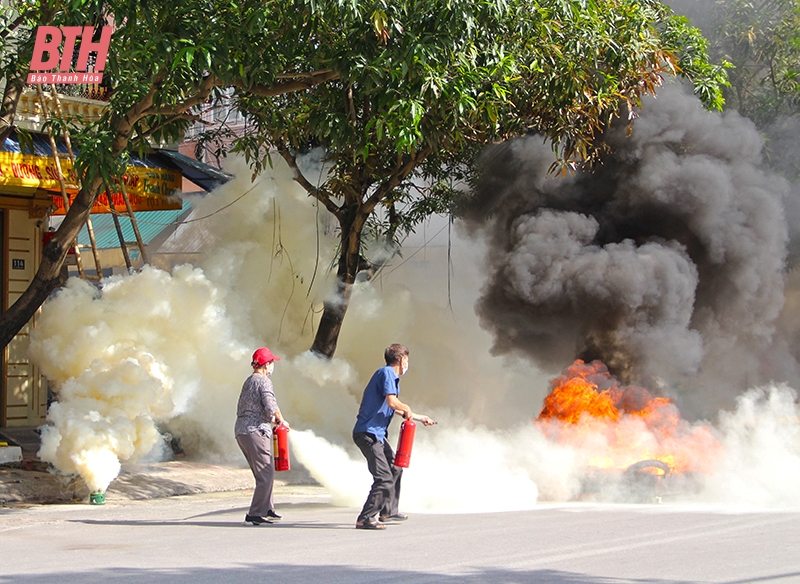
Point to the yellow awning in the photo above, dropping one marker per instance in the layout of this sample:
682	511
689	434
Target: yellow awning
148	188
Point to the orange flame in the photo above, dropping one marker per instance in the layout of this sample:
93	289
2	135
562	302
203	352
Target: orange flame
616	427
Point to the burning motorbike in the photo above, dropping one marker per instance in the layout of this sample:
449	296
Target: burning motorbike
634	447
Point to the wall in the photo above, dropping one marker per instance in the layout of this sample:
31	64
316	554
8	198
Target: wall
24	391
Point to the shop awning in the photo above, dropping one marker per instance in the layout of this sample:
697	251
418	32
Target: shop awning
152	182
199	173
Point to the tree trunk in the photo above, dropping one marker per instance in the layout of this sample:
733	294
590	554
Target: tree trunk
335	308
48	276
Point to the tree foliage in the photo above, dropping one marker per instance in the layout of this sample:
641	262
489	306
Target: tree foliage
761	39
423	86
165	58
402	95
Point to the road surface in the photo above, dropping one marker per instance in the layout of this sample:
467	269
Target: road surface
201	539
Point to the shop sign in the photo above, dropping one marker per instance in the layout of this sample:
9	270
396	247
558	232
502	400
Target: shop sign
148	188
138	203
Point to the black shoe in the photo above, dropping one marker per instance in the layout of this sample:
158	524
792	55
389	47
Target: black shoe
272	515
395	517
256	520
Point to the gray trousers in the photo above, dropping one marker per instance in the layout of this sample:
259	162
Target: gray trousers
257	449
384	495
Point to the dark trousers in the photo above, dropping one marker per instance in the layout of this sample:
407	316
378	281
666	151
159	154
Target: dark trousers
385	492
257	449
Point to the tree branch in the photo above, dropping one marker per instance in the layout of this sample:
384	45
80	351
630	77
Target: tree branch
303	75
321	195
400	173
300	83
200	96
169	120
124	126
13	26
8	110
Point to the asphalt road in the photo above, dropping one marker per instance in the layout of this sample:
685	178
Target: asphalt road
201	539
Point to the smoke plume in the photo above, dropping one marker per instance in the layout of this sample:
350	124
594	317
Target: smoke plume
187	337
665	262
166	351
126	359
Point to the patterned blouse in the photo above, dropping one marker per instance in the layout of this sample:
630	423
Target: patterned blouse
256	407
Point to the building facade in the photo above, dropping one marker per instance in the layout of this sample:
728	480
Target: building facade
30	198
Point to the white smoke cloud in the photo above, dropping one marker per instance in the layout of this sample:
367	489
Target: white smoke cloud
127	358
760	462
188	338
157	351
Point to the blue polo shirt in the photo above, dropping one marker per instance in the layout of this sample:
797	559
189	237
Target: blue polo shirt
374	415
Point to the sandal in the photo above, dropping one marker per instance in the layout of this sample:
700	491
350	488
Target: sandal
369	525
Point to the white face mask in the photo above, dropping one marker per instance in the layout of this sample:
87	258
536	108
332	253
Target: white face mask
404	370
270	367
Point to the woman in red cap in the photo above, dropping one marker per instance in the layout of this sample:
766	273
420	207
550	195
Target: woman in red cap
255	414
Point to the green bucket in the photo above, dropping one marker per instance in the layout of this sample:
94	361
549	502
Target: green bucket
97	498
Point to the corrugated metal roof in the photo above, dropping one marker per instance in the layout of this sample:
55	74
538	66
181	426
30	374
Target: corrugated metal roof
188	237
150	224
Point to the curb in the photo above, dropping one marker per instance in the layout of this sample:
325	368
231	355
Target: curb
34	482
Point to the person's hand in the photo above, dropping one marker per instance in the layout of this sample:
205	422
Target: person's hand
426	421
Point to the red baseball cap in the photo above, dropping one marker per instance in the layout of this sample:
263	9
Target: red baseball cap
264	355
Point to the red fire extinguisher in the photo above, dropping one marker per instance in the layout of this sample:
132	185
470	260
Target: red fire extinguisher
404	443
280	447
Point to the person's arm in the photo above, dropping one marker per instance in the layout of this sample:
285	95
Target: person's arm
399	407
279	419
270	404
404	410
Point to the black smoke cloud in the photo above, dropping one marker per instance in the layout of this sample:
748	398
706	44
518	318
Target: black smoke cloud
666	261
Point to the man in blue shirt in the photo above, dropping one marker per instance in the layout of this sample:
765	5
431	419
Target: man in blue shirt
379	403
